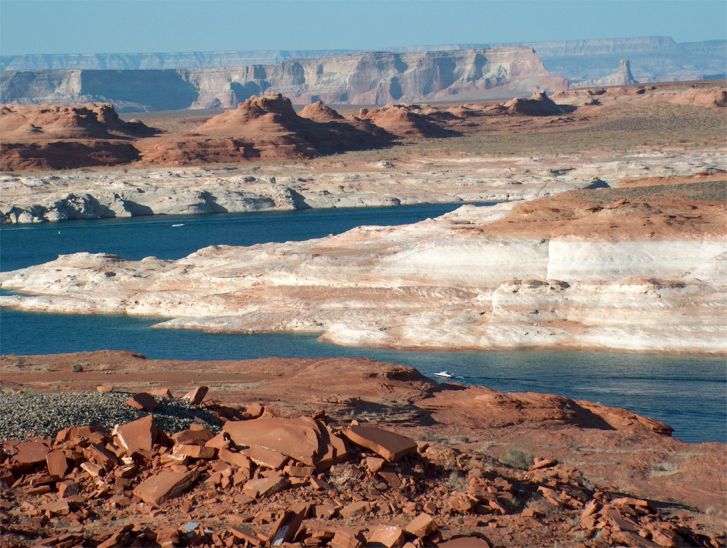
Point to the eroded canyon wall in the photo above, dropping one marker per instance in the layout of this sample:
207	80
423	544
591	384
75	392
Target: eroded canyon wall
362	78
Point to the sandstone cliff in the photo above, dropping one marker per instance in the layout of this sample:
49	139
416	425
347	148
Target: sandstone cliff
601	268
361	78
656	58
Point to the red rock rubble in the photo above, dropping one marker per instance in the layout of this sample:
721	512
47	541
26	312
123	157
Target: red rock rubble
302	481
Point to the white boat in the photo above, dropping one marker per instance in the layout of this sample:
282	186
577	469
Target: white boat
444	374
177	225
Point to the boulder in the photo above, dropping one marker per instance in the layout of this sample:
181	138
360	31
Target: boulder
143	402
163	486
137	435
385	443
291	437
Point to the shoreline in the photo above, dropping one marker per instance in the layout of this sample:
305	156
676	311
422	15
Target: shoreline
395	348
527	452
28	198
183	216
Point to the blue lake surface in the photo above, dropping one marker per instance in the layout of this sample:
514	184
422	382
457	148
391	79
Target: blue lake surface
687	392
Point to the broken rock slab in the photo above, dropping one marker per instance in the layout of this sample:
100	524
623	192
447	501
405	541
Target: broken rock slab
163	486
388	536
161	392
385	443
421	526
193	436
291	437
196	395
137	435
346	538
288	525
30	453
57	463
143	402
265	486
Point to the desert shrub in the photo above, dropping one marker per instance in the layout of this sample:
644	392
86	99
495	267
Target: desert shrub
517	459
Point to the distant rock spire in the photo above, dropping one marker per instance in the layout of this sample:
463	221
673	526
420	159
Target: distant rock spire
623	74
622	77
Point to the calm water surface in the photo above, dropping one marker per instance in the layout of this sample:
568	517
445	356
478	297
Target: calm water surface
689	393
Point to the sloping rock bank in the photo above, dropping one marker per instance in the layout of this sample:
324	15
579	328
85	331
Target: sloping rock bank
605	268
354	452
62	196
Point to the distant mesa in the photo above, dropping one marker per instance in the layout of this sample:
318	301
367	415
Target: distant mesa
364	78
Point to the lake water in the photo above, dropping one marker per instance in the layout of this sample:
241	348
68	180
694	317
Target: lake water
687	392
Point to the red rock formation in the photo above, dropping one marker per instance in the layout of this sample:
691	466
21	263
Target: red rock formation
318	112
192	487
405	121
60	137
266	127
21	122
539	104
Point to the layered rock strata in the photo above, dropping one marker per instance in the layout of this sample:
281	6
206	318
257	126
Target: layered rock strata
601	268
358	78
30	198
57	137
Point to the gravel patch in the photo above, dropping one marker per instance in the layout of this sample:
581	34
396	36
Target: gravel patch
24	415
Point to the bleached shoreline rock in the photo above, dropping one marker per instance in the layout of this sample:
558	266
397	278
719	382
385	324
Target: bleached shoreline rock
462	281
119	193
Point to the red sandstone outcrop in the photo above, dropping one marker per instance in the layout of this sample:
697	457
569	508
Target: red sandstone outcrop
405	121
497	469
66	136
265	127
539	104
67	122
318	112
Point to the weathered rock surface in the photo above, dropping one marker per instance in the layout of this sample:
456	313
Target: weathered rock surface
358	78
59	137
61	196
605	268
552	468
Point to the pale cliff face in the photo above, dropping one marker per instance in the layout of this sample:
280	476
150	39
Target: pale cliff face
470	279
361	78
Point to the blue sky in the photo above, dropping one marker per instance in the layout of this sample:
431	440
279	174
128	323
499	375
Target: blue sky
94	26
